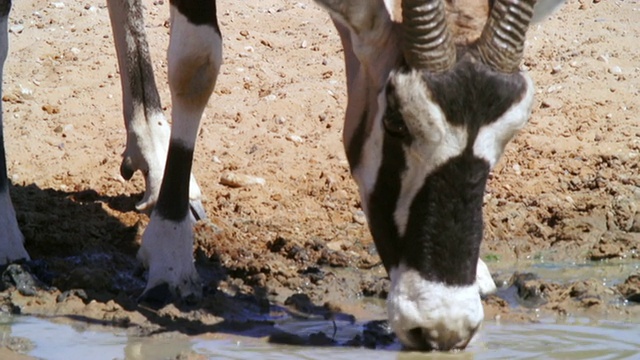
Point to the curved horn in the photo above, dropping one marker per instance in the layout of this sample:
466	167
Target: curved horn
501	44
427	41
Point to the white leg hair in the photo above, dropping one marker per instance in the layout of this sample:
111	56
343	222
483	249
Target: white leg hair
166	262
147	128
194	59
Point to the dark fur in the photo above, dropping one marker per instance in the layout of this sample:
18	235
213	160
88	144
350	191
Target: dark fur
199	12
173	202
445	226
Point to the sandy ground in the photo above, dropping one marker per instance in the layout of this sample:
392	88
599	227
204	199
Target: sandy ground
567	189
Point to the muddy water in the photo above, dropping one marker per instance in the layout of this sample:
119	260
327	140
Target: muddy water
609	272
571	339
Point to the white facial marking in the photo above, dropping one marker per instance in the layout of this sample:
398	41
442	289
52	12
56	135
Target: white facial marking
443	311
434	141
492	138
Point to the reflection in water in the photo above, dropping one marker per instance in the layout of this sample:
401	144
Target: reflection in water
548	340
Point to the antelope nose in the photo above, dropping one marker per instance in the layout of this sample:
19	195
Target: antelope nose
439	339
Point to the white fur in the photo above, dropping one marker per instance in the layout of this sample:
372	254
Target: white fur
194	59
485	282
450	314
366	173
11	240
167	253
492	138
435	140
147	144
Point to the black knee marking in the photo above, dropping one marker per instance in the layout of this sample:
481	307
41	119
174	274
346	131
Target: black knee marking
173	200
198	12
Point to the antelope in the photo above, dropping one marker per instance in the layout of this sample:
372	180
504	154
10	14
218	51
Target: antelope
427	118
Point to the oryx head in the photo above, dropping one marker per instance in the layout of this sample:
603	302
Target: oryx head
426	121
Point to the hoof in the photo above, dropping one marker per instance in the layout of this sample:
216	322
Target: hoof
161	295
157	297
197	210
127	169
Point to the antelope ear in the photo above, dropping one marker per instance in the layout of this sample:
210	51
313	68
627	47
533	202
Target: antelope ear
368	36
361	17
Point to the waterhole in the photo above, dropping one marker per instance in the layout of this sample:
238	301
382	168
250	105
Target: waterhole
569	337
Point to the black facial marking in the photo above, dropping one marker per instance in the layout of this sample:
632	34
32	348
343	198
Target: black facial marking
392	120
4	182
354	151
173	201
444	229
472	94
383	200
198	12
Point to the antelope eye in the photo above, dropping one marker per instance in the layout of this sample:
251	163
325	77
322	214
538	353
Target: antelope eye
393	122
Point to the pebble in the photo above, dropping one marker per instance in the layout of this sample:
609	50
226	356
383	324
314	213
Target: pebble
554	88
240	180
517	169
294	138
616	70
359	217
16	29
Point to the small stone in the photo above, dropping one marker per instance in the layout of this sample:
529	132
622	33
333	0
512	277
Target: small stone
556	69
240	180
16	29
554	88
51	109
359	217
294	138
517	169
616	70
